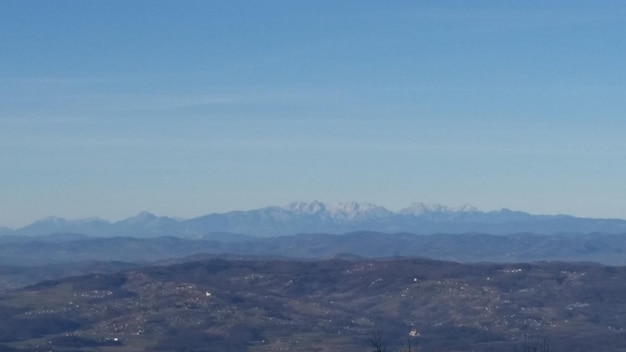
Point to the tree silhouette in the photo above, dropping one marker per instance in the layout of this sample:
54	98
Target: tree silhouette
533	346
377	342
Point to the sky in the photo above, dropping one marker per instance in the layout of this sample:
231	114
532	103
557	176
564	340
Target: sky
183	108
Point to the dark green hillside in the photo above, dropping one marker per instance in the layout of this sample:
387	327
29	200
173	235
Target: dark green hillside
334	305
12	276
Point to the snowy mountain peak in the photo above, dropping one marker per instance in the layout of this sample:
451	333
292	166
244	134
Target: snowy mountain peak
355	210
353	207
306	208
338	211
421	208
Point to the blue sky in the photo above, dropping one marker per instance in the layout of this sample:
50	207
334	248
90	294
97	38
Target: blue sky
182	108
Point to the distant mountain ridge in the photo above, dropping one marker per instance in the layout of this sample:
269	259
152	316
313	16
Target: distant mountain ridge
311	217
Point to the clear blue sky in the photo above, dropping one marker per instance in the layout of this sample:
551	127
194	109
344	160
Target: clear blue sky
182	108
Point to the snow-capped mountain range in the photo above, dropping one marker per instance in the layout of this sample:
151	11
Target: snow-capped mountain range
356	210
339	211
319	217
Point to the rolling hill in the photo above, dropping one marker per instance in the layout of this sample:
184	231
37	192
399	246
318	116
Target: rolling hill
330	305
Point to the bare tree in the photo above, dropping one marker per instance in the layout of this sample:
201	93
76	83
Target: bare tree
377	341
534	346
409	347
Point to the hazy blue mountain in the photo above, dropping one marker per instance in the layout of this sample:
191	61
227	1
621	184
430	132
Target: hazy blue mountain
50	225
469	247
303	217
146	224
